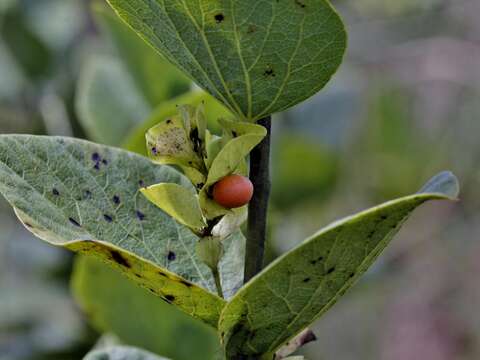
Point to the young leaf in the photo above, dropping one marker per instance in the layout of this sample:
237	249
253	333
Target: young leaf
117	305
257	57
301	285
244	138
86	197
178	202
121	353
213	111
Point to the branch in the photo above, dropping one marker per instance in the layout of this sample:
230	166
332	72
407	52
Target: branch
257	209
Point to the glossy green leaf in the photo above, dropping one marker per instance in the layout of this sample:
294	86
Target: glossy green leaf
256	56
121	353
178	202
155	78
117	305
108	103
86	197
304	283
213	111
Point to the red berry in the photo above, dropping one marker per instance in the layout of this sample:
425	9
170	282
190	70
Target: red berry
233	191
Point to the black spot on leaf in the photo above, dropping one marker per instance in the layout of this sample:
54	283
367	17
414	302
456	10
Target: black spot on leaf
119	259
269	72
87	194
219	18
169	121
154	150
234	134
116	199
171	256
55	192
105	162
96	166
96	157
170	298
300	3
351	275
74	222
107	218
187	284
331	270
306	280
141	183
140	215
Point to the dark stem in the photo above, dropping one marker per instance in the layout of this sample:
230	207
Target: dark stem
257	209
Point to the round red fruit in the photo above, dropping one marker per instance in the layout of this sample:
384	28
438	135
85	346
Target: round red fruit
233	191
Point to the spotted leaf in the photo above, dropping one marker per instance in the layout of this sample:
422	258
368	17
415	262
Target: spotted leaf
301	285
256	56
86	197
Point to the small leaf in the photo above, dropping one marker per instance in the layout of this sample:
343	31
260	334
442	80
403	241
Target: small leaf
244	138
178	202
86	197
297	288
121	353
257	57
169	143
117	305
213	111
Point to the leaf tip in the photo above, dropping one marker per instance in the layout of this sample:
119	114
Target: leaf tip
444	183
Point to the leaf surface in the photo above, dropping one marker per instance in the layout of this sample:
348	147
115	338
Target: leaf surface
304	283
86	197
178	202
117	305
256	56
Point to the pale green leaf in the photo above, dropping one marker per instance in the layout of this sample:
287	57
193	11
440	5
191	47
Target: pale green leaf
86	197
155	78
178	202
213	111
256	56
117	305
304	283
244	138
108	103
121	353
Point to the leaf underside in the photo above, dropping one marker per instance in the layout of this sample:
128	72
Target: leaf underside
303	284
86	197
258	57
114	304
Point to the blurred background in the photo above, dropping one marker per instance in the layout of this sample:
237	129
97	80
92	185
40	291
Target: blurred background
405	105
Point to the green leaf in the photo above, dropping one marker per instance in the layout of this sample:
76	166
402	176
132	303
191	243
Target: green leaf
245	137
301	285
115	304
178	202
229	159
155	77
256	56
213	111
108	102
122	353
86	197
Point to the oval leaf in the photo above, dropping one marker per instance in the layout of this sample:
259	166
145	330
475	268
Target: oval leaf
86	197
178	202
257	57
301	285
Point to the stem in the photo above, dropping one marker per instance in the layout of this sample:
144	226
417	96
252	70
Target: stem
257	209
218	283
